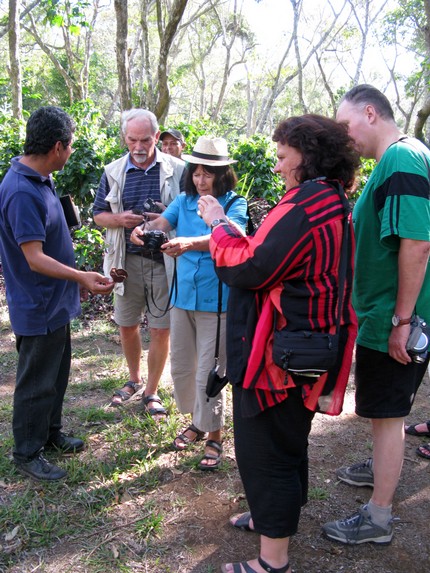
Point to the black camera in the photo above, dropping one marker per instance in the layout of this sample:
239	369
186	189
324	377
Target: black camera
150	206
418	341
152	240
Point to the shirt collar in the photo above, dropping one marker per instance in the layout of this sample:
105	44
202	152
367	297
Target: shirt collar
27	171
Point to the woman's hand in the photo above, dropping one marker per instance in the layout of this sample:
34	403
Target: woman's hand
210	209
177	246
136	234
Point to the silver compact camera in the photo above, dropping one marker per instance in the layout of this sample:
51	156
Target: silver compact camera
419	338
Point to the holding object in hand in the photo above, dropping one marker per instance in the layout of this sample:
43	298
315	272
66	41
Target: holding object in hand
153	239
151	206
418	341
118	275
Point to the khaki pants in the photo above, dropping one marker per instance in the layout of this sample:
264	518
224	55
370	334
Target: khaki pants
192	347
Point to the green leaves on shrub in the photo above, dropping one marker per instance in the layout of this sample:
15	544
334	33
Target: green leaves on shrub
256	159
89	246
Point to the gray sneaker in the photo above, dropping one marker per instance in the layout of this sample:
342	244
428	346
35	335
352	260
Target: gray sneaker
358	528
360	474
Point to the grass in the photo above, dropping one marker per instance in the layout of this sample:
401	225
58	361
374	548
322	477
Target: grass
123	462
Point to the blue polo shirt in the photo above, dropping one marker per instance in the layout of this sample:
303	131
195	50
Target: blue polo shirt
197	280
31	211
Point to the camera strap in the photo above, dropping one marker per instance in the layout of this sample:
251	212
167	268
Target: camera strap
173	289
218	324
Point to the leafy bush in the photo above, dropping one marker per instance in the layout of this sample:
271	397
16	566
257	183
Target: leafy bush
256	159
89	245
11	141
366	168
94	147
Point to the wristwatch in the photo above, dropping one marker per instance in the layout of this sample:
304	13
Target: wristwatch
216	222
397	321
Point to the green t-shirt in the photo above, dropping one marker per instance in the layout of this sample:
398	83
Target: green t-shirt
394	205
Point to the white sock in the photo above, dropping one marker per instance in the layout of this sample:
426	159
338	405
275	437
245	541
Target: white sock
379	515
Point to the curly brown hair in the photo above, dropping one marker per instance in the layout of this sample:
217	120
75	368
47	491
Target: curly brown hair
327	149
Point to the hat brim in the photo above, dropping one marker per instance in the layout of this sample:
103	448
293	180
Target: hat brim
201	161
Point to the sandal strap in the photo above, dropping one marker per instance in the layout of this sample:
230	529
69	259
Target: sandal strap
271	569
215	445
210	457
194	429
151	398
132	385
185	439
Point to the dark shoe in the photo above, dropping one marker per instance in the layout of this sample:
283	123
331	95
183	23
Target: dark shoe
424	451
40	469
412	431
244	566
156	412
65	444
182	441
125	393
359	528
242	521
217	446
360	474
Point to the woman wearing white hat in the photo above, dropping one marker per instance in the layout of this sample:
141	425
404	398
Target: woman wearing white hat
193	318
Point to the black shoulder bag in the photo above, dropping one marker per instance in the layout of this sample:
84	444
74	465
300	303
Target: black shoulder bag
308	354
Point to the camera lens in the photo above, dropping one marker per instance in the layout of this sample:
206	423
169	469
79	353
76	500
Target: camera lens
422	343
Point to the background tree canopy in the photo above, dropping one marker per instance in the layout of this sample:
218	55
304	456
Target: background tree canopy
231	68
243	64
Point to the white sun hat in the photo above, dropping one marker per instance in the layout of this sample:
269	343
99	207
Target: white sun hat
209	151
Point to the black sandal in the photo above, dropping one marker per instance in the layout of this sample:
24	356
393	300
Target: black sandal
411	430
237	567
155	411
242	522
424	451
185	440
217	446
123	394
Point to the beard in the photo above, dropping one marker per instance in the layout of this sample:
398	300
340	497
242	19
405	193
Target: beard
140	157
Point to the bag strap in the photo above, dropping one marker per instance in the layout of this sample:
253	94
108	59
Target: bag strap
219	309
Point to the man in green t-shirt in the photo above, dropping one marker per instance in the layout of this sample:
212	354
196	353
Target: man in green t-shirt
391	286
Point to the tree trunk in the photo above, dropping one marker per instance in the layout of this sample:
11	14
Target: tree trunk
15	63
124	81
163	101
424	113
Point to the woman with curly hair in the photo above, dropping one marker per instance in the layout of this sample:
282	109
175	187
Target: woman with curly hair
286	276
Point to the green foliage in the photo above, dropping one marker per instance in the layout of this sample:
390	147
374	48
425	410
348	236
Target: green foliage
94	147
11	141
256	158
192	132
88	244
366	168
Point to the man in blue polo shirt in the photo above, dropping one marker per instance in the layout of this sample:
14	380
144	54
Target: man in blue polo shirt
145	173
41	290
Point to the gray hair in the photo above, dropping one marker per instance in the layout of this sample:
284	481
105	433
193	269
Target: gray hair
134	113
365	94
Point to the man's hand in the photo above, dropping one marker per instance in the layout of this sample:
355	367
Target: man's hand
397	343
129	220
96	283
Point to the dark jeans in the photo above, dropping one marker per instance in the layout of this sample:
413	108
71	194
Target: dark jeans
271	453
41	382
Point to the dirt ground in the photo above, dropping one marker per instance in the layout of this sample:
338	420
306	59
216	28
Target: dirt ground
196	536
